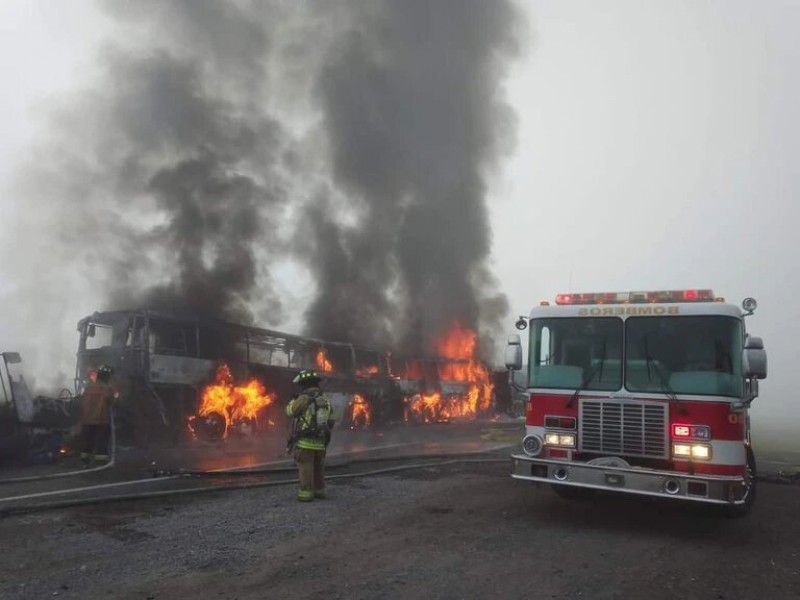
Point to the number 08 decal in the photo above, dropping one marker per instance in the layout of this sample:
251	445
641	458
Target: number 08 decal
736	419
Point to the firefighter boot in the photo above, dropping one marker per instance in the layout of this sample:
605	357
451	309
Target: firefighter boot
319	474
305	470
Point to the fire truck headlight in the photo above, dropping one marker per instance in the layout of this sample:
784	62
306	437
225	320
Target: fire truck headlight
566	440
532	445
696	451
560	439
682	450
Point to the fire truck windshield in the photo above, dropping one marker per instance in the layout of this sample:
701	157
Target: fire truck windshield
691	355
696	355
575	354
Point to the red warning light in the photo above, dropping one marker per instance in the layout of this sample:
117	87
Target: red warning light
653	296
681	430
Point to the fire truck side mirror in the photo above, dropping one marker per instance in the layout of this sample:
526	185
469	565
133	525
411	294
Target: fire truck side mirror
514	353
12	358
754	358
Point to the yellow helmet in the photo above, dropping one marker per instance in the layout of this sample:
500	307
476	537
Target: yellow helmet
307	376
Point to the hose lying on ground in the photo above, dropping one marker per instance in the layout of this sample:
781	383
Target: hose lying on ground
165	475
110	463
333	465
18	510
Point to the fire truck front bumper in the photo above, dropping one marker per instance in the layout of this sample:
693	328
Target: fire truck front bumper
648	482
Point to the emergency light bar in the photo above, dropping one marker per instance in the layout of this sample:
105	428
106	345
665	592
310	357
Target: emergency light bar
638	297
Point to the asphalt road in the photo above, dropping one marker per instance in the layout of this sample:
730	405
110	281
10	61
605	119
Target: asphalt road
458	531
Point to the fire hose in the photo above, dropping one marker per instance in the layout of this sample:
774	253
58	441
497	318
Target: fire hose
110	463
60	504
290	469
450	459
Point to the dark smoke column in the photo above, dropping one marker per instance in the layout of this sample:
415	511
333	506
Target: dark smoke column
416	121
189	149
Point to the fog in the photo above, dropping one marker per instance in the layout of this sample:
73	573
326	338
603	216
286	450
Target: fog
316	167
656	147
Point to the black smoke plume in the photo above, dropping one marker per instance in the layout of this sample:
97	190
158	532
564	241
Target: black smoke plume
350	139
202	150
415	117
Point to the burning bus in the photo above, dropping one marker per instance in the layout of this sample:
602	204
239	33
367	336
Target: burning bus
644	393
182	376
463	386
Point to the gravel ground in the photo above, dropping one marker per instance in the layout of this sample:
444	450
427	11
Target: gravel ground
443	532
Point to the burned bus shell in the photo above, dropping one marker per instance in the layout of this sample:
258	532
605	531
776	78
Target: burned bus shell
31	425
162	361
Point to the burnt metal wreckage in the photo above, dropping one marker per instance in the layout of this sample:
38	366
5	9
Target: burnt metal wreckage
34	427
163	361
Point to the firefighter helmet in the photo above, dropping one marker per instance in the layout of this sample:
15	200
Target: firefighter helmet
307	376
105	370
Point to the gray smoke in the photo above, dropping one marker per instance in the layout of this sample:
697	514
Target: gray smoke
355	138
200	147
165	182
416	121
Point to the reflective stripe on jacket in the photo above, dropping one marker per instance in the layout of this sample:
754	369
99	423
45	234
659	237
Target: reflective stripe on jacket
302	409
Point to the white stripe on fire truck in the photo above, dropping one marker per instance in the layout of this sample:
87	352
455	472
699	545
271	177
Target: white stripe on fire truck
724	452
534	430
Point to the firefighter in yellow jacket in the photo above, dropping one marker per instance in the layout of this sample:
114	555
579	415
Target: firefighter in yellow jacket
313	419
95	417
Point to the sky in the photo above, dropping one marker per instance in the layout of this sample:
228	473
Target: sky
658	147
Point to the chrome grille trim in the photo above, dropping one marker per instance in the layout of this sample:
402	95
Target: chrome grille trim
623	428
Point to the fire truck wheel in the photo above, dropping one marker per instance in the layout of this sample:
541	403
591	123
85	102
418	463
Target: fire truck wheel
569	492
742	510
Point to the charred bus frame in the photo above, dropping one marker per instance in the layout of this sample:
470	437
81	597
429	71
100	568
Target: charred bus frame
162	361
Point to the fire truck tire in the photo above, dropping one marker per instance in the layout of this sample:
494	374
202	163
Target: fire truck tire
742	510
569	492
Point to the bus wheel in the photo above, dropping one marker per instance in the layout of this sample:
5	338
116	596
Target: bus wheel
751	477
571	492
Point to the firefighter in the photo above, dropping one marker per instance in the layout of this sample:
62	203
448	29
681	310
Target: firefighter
95	416
313	419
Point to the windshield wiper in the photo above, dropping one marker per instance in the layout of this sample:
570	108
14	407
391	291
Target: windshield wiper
597	369
665	387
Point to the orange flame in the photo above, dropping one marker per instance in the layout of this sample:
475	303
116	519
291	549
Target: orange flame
361	412
428	408
233	403
406	369
323	364
458	344
369	371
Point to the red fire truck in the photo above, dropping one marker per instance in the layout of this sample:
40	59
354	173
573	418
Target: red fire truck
641	392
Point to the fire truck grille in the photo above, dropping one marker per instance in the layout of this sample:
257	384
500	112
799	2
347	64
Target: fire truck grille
623	428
